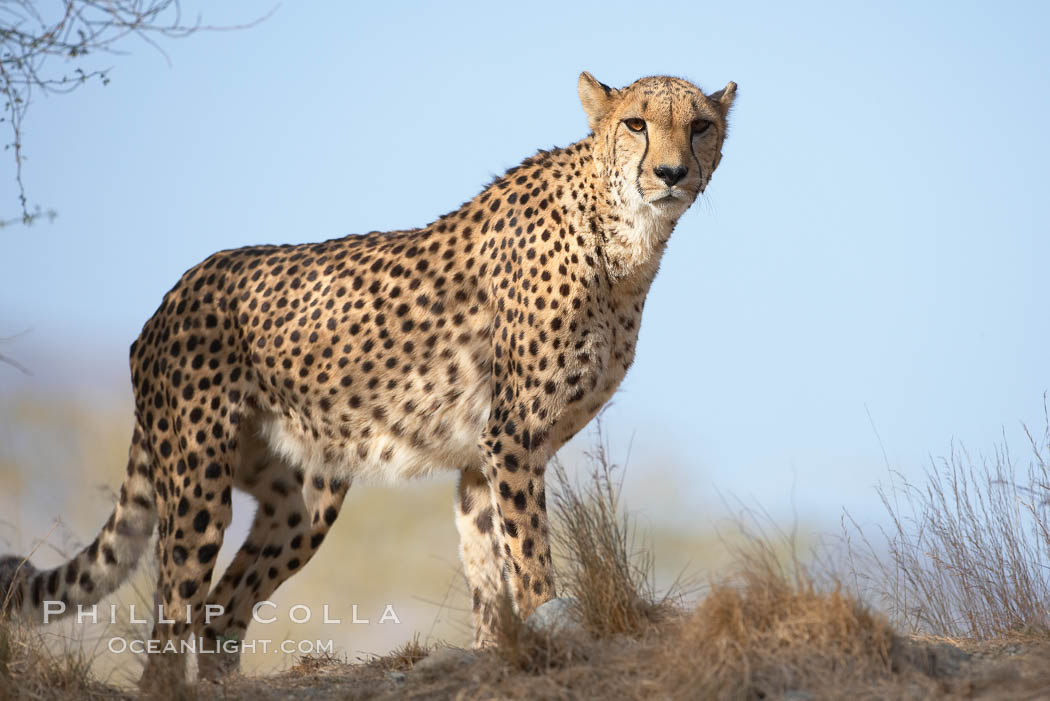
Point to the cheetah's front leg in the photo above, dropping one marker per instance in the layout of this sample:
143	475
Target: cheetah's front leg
516	453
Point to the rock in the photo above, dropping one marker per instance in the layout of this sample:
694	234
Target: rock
395	676
936	659
798	695
946	659
445	658
555	616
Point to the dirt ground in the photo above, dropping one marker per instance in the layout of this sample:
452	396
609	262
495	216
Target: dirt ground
925	668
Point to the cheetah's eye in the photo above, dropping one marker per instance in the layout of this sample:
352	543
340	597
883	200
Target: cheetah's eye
700	126
635	124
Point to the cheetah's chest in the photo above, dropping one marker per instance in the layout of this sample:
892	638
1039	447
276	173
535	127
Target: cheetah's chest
608	352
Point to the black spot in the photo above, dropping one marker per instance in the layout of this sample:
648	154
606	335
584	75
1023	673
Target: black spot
511	528
85	583
201	521
207	553
484	521
38	590
188	588
72	569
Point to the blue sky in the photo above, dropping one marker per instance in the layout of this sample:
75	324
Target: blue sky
875	240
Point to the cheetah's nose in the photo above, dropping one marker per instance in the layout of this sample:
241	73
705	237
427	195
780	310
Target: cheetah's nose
670	174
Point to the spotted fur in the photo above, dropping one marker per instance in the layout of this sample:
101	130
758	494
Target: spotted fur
479	343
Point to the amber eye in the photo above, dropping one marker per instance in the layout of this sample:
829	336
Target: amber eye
700	126
635	124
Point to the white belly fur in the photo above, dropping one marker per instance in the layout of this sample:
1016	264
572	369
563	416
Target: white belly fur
451	435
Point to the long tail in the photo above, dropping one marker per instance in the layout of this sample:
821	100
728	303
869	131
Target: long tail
27	593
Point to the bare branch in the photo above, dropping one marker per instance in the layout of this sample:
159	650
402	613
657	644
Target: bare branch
40	50
11	361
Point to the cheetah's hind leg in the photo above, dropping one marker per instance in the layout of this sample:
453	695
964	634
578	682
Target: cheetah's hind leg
293	517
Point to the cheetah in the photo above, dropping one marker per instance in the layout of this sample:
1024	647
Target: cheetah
479	343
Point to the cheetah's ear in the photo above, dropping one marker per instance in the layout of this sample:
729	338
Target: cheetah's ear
724	98
597	98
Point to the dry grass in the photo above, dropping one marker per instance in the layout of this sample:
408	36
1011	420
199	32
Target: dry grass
969	552
531	651
602	564
404	656
31	671
771	630
768	630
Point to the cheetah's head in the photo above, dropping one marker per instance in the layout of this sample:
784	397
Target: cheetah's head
657	141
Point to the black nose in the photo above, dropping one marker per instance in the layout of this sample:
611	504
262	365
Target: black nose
670	174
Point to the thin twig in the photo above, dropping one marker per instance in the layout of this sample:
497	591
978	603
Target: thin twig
30	44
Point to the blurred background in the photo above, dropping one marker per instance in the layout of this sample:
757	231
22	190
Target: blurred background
861	289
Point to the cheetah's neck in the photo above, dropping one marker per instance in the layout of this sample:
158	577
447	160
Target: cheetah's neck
633	233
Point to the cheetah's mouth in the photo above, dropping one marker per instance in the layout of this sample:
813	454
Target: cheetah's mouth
672	195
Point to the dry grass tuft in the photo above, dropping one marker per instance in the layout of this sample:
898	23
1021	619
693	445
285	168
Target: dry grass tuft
601	565
403	657
29	671
969	551
310	664
772	631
